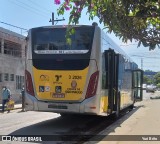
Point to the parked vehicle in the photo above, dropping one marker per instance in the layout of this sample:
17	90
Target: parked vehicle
144	86
88	76
151	88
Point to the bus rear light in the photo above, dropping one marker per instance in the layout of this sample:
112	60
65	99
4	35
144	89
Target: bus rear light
92	86
29	84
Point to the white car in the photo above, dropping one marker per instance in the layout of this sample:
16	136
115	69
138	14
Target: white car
144	86
151	88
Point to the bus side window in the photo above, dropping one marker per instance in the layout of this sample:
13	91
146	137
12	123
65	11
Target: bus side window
39	47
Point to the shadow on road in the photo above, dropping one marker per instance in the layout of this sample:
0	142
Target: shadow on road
79	127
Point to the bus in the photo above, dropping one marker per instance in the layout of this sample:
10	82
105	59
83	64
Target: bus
92	75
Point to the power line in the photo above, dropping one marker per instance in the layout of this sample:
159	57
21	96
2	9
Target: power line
145	56
125	45
33	8
12	36
145	64
40	6
13	26
26	8
48	11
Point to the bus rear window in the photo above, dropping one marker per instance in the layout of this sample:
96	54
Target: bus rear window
53	41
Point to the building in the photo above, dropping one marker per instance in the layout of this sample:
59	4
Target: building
12	62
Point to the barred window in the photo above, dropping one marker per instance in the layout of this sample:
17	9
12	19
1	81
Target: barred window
11	48
12	77
19	82
0	77
6	76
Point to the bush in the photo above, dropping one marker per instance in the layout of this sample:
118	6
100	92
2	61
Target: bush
158	85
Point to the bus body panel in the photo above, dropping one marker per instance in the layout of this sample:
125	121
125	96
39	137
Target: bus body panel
45	83
124	76
60	85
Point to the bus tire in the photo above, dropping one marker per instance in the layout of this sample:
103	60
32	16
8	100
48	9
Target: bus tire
131	107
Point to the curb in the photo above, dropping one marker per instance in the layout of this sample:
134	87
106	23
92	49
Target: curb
17	108
20	107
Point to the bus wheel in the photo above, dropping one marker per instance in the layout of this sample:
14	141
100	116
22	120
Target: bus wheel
131	107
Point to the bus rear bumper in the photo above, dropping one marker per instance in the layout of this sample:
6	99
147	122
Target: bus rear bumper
86	107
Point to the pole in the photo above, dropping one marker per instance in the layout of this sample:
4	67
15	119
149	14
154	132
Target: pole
142	63
52	18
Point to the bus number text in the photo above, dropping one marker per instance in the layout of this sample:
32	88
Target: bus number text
75	77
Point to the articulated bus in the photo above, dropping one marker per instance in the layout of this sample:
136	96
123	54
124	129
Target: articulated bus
92	75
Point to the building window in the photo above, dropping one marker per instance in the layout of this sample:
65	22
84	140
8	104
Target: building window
12	77
0	77
19	82
22	80
6	76
11	48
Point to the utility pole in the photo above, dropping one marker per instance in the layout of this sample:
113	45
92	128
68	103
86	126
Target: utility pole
53	20
142	63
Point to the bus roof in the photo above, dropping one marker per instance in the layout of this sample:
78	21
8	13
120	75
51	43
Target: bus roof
61	26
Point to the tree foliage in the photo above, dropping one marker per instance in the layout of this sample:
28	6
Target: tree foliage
129	19
157	78
146	80
158	85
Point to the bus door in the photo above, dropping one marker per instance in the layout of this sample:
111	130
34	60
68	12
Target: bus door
112	66
137	85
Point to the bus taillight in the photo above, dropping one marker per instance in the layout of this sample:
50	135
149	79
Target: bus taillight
29	84
92	86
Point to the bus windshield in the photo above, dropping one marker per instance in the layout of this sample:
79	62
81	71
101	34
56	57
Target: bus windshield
53	41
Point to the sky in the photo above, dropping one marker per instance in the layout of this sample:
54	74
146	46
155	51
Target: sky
34	13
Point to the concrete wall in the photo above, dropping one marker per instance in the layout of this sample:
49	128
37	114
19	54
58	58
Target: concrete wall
11	64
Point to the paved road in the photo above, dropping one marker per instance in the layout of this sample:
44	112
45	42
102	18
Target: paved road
40	123
43	123
147	96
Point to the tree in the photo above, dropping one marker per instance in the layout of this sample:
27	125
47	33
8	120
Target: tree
158	85
147	80
129	19
157	78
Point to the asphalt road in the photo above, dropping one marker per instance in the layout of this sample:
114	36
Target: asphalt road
43	123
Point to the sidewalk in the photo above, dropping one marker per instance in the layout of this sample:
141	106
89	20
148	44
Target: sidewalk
143	120
16	106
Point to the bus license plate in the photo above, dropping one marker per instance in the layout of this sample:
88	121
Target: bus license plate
58	95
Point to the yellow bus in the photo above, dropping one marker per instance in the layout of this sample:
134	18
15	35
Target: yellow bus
92	75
